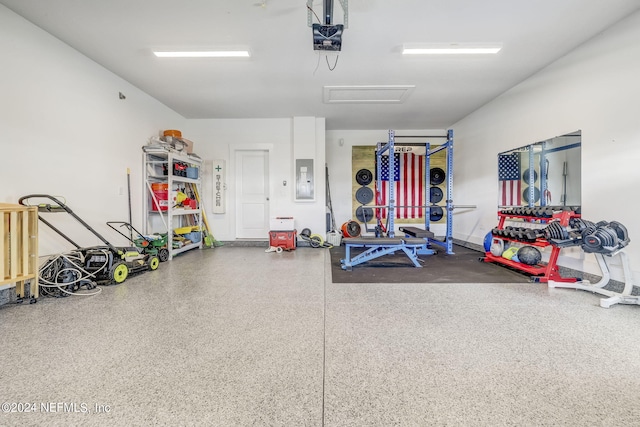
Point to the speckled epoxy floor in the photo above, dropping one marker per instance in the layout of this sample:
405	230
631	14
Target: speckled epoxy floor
235	336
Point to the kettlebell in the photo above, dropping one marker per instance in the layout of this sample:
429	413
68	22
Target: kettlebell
497	247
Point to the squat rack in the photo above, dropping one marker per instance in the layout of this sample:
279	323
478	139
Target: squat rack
389	148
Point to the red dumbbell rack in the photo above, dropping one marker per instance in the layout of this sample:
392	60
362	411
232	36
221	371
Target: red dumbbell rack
541	272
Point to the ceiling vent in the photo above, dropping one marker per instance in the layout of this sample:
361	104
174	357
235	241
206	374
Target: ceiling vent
374	94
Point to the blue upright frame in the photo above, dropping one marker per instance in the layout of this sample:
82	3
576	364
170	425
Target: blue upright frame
390	148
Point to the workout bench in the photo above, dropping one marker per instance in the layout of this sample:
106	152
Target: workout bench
380	246
429	238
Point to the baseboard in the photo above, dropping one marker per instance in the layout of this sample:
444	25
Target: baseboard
257	243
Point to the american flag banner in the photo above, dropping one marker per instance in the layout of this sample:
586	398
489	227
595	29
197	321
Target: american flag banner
509	178
408	175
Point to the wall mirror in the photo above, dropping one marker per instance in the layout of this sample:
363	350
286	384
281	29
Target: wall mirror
546	173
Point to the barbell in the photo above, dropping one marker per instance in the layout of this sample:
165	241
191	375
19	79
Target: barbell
365	213
424	206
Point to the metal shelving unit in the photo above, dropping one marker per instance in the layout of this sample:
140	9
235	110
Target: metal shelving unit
159	168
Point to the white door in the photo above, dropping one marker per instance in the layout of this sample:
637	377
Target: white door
252	194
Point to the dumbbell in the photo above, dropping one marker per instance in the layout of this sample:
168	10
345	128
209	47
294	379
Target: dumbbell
531	235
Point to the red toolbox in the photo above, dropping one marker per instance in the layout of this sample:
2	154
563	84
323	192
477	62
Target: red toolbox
283	239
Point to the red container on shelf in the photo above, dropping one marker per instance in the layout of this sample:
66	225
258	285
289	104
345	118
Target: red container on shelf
161	193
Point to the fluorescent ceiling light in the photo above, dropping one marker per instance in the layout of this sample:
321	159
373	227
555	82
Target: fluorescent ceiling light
204	54
450	49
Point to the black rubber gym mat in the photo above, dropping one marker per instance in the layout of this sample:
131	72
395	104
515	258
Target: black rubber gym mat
462	267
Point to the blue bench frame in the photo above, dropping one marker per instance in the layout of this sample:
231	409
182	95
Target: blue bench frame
380	246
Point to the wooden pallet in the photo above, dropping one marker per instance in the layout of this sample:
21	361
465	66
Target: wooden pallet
19	248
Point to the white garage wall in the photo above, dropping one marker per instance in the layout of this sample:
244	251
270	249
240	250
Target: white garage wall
288	139
595	89
65	132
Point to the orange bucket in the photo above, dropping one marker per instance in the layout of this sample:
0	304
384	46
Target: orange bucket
173	132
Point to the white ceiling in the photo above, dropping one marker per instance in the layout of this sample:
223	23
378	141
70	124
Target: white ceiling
285	77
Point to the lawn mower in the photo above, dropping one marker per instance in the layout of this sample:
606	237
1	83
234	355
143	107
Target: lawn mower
153	244
85	267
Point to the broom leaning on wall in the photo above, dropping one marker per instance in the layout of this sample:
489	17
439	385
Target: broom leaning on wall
209	240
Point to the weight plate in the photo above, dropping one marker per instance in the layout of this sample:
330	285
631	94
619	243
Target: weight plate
364	195
435	194
364	214
436	213
437	176
364	177
525	176
536	194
